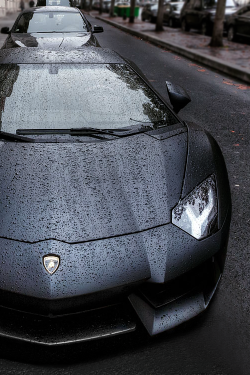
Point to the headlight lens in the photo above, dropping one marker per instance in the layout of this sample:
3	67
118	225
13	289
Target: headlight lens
196	214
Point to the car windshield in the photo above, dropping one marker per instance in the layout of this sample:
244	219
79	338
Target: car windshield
47	22
66	96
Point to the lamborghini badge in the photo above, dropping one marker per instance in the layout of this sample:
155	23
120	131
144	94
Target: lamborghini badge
51	263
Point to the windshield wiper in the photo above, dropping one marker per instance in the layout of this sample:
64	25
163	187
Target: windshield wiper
87	131
77	131
122	132
13	137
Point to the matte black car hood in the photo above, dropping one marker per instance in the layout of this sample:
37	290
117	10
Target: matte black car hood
77	192
51	40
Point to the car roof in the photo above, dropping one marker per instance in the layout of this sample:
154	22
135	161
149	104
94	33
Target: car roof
50	9
83	55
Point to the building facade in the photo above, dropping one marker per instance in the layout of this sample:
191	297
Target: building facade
8	6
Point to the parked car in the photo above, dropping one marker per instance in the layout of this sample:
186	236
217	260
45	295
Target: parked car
149	12
238	24
51	27
200	14
106	4
172	13
96	5
110	210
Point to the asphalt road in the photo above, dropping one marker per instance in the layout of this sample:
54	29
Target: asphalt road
217	342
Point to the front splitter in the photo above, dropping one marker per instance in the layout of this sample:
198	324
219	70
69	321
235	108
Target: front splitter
67	329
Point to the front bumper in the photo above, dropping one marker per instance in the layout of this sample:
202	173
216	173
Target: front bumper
172	285
159	307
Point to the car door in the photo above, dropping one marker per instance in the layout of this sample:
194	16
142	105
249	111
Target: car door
242	23
193	13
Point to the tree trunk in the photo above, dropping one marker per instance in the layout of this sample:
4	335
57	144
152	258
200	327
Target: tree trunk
159	21
90	5
217	37
112	8
132	11
100	9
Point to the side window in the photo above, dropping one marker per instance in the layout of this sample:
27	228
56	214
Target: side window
19	26
242	11
197	4
246	14
23	23
192	4
209	3
189	4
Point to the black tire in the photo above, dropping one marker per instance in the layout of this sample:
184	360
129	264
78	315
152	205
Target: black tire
184	25
171	22
231	35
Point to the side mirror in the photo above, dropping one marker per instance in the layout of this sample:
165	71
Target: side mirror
97	29
179	98
5	30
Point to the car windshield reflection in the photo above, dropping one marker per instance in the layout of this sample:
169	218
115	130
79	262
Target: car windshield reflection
66	96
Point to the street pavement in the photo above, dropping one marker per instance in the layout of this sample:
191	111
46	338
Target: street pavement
232	59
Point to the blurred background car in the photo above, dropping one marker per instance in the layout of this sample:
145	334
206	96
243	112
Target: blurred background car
105	5
238	24
198	14
51	27
172	13
149	12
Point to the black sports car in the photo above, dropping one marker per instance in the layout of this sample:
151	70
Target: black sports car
110	211
51	27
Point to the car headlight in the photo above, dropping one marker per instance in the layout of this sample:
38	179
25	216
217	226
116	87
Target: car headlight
196	214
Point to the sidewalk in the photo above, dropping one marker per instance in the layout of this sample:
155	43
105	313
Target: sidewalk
232	59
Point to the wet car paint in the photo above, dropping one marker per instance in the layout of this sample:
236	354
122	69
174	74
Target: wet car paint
104	208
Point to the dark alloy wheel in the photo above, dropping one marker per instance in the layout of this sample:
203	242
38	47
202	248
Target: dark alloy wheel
184	25
231	35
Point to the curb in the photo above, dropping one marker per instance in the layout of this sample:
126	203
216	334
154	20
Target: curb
212	62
